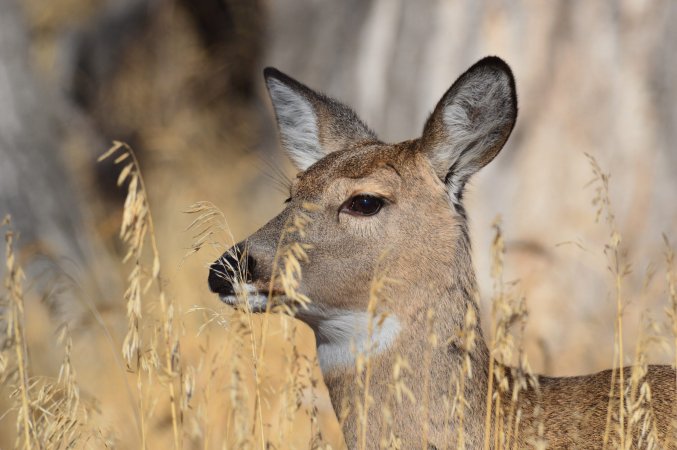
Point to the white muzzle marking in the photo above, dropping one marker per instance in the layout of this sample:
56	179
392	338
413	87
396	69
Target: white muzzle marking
245	292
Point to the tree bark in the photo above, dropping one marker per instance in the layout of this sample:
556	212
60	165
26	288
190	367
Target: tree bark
35	186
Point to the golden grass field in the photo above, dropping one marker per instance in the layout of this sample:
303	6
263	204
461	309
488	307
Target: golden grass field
172	374
155	361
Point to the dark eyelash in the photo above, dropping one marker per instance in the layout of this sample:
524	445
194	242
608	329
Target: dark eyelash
288	200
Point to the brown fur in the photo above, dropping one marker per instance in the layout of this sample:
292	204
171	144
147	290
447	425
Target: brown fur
419	240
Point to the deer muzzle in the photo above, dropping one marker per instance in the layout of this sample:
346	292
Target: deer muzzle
231	277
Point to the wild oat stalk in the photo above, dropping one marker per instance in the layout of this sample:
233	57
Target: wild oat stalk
456	403
137	224
239	395
363	361
207	227
397	392
431	341
49	412
292	387
619	270
523	379
508	310
317	438
290	253
640	423
15	338
671	312
236	429
299	387
497	276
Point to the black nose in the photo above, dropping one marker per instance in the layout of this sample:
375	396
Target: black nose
234	265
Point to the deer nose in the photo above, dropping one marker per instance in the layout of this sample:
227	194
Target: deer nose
236	265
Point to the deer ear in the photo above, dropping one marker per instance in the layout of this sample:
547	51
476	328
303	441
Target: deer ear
471	123
311	125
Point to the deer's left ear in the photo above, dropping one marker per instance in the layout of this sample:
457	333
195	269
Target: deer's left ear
311	125
471	123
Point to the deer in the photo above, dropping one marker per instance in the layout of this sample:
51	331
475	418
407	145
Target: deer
397	209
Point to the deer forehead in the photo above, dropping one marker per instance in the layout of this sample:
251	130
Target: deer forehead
372	168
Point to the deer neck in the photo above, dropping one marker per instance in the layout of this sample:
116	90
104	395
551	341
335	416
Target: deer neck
404	336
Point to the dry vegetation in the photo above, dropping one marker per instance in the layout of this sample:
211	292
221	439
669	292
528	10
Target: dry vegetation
170	367
216	377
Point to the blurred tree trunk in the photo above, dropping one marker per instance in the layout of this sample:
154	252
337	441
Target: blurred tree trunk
35	187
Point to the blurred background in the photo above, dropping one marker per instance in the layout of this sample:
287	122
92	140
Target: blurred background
180	81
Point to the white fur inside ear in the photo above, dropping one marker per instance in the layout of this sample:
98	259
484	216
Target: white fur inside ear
297	122
474	120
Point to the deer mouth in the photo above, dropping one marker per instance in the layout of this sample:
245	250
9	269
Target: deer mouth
248	296
237	288
241	295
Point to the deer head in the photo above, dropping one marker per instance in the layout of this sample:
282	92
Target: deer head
389	209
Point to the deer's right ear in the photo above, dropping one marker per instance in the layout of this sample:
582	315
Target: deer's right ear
311	125
471	123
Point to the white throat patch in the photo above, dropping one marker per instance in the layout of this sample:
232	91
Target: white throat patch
342	335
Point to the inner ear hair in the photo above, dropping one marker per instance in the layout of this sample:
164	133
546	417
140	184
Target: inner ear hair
296	119
311	124
471	123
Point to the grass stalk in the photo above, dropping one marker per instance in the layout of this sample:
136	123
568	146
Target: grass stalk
13	285
137	205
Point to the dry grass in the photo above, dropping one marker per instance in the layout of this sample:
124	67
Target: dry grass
241	379
509	310
227	378
48	412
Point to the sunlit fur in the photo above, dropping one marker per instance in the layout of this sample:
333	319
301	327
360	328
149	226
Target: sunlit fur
418	249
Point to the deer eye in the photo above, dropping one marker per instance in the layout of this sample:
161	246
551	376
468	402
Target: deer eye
363	205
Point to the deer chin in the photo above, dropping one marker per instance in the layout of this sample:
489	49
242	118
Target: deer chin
245	295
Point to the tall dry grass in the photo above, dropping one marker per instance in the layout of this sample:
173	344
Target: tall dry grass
218	377
48	411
